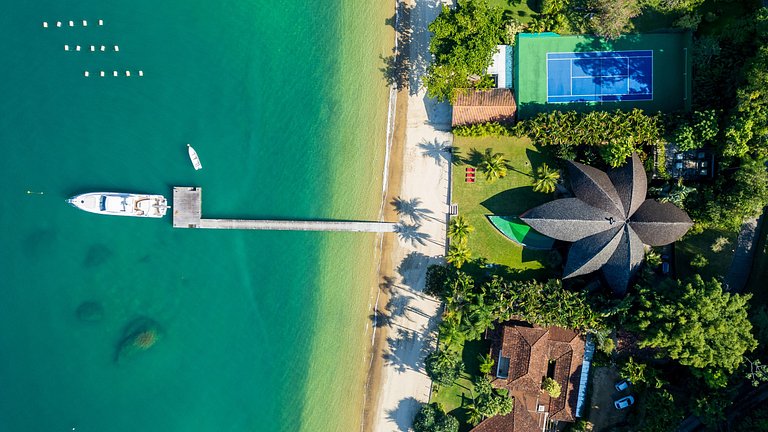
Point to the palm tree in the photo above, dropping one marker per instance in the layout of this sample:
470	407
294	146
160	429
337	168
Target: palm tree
545	179
493	165
458	254
474	414
459	229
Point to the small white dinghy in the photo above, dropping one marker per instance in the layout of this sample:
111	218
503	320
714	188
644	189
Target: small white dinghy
193	157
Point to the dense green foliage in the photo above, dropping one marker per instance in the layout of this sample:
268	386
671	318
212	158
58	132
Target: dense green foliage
464	40
488	401
444	367
737	194
616	134
482	129
659	411
432	418
642	375
471	308
612	17
695	323
699	132
754	421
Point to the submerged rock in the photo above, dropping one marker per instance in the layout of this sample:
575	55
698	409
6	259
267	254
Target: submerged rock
90	311
139	335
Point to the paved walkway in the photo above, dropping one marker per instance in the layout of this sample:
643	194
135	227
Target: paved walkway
741	266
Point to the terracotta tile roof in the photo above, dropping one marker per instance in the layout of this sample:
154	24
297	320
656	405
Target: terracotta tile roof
519	420
481	106
530	350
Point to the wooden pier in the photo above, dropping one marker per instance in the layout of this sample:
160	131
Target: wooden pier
187	204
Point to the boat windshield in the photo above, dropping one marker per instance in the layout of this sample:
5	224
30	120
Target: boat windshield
103	203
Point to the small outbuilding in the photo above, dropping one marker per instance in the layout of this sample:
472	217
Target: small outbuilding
483	106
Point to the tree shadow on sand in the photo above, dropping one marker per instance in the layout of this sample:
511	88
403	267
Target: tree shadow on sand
405	413
436	150
407	350
410	58
411	269
410	208
411	234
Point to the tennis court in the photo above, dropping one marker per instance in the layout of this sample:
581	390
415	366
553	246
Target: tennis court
583	73
600	76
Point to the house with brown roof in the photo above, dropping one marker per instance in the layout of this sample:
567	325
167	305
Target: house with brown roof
492	105
483	106
524	355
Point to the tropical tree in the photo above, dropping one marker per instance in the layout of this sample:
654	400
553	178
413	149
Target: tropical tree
474	416
432	418
463	42
552	387
545	179
612	17
458	254
493	165
695	323
489	401
486	363
444	367
459	229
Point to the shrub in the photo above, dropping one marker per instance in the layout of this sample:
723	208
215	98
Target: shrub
432	418
720	244
482	129
699	261
552	387
689	21
444	367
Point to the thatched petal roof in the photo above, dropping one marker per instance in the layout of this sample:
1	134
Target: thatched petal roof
631	184
609	220
582	258
625	261
595	188
658	223
568	219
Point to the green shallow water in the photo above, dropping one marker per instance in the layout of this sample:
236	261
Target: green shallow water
262	331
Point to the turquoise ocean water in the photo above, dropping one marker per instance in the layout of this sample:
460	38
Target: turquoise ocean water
261	331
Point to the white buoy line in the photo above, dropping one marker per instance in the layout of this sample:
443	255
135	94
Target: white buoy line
102	48
115	48
72	23
114	73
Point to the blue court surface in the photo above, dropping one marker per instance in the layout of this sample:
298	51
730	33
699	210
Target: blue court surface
600	76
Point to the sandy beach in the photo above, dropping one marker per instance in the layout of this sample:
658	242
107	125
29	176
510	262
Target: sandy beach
418	196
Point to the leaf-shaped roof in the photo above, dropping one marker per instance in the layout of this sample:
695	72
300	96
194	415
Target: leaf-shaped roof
609	221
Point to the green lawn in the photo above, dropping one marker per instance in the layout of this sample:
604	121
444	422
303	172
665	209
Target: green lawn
521	10
455	398
509	196
690	246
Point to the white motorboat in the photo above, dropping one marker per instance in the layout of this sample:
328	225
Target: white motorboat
121	204
193	157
